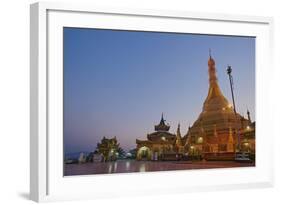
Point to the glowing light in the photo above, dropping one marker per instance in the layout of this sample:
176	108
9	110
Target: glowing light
143	148
248	127
200	140
229	106
128	165
223	108
142	168
163	138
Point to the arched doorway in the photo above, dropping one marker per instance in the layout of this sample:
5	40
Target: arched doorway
155	154
144	153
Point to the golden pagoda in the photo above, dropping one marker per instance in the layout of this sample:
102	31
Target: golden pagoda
215	133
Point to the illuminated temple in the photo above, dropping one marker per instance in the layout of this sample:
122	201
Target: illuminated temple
161	144
217	133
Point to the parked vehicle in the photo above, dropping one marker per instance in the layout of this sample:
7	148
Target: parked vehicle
71	161
242	157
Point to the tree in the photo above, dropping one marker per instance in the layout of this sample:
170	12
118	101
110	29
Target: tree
108	148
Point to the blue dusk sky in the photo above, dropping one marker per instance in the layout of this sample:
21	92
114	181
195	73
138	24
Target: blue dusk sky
117	83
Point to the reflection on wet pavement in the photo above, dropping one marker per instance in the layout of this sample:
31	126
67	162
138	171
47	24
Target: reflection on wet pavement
126	166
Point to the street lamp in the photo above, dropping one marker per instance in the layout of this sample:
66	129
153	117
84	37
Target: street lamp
229	71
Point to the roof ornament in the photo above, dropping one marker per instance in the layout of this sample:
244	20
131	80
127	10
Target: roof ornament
162	126
178	130
249	116
162	117
178	137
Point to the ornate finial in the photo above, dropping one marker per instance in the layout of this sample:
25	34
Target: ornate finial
211	62
162	126
162	118
178	136
178	130
249	116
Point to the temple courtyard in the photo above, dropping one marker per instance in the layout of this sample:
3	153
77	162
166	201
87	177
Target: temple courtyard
127	166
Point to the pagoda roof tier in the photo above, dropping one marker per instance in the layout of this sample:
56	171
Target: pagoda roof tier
149	142
162	126
161	136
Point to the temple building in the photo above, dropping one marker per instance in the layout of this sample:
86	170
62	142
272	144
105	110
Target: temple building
218	131
161	144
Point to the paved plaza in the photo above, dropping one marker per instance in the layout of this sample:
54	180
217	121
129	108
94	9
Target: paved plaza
126	166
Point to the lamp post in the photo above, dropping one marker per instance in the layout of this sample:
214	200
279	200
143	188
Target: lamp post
229	71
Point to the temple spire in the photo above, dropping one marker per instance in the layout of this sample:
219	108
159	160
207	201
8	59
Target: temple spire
178	131
214	89
162	125
178	136
212	71
249	116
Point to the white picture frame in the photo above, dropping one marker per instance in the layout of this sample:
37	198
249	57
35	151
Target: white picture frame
46	159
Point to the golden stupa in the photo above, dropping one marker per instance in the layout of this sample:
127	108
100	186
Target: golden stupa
217	128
